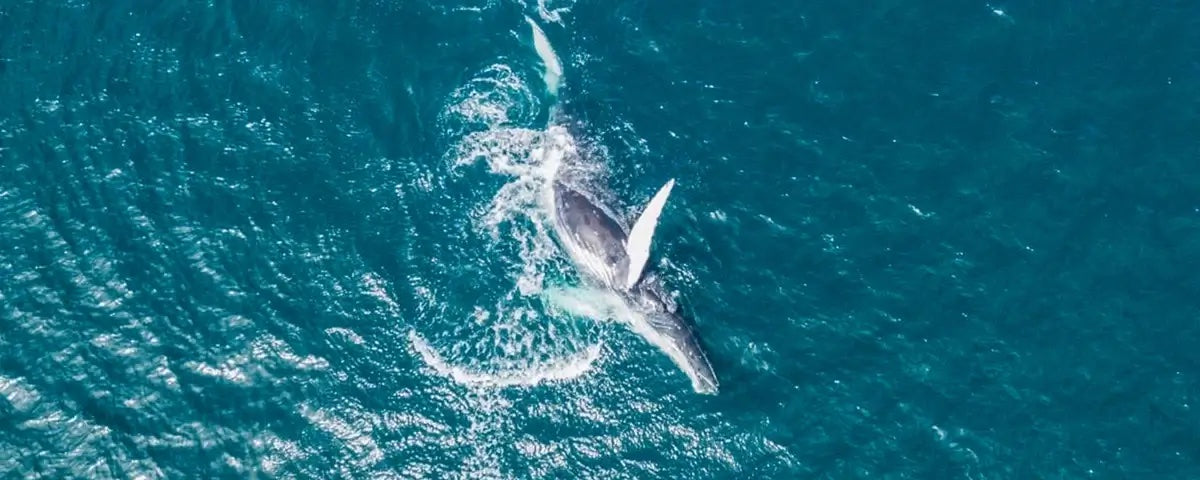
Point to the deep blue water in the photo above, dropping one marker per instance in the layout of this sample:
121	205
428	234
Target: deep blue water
923	239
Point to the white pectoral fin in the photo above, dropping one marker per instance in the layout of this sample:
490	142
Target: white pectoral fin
637	246
546	52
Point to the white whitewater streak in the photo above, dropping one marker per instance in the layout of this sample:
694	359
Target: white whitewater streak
642	233
553	15
565	368
549	58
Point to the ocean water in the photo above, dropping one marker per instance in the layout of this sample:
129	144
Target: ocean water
307	239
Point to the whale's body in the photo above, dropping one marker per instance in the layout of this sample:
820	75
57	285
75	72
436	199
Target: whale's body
599	246
609	255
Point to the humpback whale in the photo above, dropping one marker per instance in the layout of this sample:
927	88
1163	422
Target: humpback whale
606	254
602	250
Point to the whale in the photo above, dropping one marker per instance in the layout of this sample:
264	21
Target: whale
615	258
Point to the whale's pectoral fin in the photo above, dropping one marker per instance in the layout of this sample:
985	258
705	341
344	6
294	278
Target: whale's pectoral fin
546	52
637	245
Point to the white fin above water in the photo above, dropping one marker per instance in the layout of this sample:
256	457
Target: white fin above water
546	52
637	246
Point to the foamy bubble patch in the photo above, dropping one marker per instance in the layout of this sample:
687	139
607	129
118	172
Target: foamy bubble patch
520	210
496	96
516	374
594	303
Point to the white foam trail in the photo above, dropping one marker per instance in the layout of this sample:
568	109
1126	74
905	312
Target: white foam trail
550	59
565	368
518	210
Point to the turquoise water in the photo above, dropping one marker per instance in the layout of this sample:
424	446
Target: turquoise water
306	239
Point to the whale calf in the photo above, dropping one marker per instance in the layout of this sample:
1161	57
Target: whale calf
601	249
